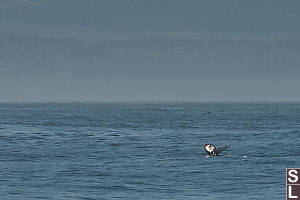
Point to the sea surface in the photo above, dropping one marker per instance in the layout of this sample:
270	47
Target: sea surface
147	151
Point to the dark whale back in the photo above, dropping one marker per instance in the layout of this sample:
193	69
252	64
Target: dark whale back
219	150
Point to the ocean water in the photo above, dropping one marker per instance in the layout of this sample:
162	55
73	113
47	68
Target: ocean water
146	151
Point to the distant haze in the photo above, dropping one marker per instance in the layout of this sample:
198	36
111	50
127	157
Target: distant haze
149	50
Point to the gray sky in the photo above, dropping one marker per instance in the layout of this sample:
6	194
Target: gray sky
149	50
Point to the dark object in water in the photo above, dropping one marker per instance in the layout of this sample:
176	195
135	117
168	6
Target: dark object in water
211	150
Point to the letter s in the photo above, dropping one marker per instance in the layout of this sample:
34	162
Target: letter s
293	173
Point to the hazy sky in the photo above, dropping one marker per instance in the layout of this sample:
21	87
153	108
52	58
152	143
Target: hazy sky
149	50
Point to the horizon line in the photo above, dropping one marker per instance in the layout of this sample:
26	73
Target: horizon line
149	102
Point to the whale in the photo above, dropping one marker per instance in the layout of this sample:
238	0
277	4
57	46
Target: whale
211	150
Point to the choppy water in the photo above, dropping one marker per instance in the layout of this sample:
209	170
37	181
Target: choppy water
143	151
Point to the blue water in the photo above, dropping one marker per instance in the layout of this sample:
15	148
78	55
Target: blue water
144	151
